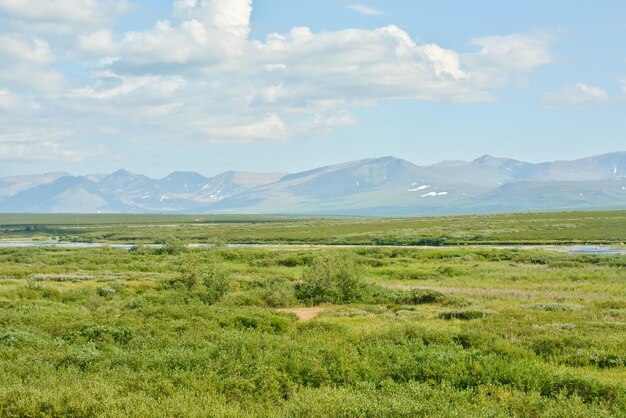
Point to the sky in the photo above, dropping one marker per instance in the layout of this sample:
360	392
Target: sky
155	86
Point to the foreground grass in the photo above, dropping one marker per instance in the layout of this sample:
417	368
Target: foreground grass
449	332
607	227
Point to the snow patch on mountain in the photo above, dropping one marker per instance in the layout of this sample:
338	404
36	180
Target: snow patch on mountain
418	188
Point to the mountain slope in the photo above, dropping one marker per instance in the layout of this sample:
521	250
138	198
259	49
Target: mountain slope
540	195
378	186
599	167
354	186
65	195
12	185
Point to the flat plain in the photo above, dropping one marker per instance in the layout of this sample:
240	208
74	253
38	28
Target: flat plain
452	326
603	227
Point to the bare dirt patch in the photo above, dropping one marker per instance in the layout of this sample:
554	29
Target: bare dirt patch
305	313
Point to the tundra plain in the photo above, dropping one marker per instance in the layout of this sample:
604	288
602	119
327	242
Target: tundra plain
454	325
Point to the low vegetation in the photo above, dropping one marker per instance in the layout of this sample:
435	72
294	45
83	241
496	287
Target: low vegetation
607	227
395	332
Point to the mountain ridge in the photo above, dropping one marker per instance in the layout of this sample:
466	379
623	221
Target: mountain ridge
378	186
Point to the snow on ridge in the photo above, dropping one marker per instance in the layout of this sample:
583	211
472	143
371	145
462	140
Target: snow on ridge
415	189
435	194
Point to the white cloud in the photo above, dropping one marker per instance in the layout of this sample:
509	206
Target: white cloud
269	127
43	145
199	78
365	10
14	47
109	86
444	61
8	100
167	47
27	62
227	16
318	75
576	95
61	16
326	122
519	52
11	102
501	59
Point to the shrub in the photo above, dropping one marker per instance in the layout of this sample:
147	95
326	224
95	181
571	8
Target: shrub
333	280
215	285
207	280
17	338
103	333
279	294
255	319
172	246
294	260
554	307
422	296
465	314
106	291
607	360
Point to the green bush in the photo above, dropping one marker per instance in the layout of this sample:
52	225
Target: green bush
278	293
171	246
465	314
206	279
106	291
554	307
333	280
422	296
103	333
215	285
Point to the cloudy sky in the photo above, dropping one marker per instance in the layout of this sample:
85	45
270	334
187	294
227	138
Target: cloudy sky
285	85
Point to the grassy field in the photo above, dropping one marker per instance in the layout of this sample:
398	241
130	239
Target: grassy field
389	332
317	331
537	228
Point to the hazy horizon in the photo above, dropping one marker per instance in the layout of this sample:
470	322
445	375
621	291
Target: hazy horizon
206	173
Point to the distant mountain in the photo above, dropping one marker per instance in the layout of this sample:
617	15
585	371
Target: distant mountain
484	171
183	182
601	167
553	195
15	184
353	187
379	186
123	191
65	195
232	183
95	177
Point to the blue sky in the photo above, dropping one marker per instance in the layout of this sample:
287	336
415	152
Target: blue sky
287	85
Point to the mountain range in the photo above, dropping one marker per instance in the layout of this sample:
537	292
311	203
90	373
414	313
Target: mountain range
384	186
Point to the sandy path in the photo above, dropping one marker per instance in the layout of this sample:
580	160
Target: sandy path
304	313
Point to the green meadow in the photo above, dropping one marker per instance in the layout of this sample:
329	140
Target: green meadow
527	228
364	331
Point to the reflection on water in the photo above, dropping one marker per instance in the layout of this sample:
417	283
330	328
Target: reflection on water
62	244
12	244
596	250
